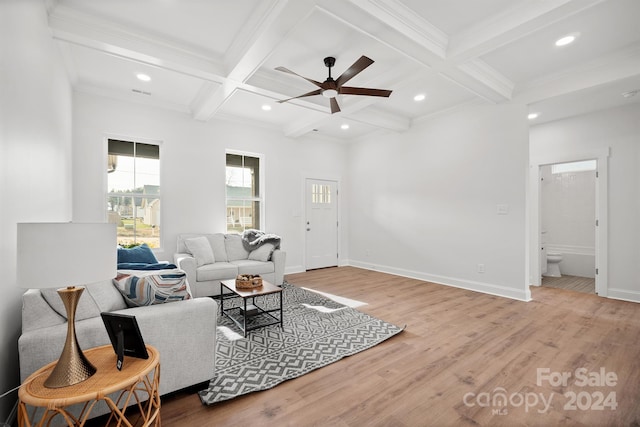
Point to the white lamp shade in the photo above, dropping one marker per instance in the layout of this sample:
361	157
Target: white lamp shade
55	255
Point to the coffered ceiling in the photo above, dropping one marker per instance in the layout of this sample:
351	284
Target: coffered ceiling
217	58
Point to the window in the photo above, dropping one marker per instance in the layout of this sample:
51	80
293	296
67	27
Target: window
133	191
582	166
320	194
244	197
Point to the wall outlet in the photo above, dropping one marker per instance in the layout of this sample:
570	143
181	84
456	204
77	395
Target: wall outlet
480	268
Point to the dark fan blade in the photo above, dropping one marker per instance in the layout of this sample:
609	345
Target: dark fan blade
313	92
347	90
356	68
335	108
285	70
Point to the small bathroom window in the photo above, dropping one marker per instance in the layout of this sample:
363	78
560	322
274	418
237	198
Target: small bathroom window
583	166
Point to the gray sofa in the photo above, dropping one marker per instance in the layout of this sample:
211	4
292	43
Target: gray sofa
227	258
184	332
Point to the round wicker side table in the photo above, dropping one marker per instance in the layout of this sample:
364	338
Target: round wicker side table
136	384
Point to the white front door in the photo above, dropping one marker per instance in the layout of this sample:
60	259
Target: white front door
321	224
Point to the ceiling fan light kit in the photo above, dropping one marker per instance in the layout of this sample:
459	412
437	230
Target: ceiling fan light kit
331	88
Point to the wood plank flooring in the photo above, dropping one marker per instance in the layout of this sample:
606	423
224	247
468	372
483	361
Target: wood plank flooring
572	283
459	352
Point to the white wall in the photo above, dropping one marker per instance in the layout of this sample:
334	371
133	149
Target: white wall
619	130
424	203
35	156
568	216
193	169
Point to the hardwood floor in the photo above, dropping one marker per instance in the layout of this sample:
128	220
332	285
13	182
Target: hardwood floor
460	349
572	283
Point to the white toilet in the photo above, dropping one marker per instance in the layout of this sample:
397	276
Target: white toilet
553	264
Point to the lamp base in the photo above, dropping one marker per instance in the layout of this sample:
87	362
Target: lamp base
72	366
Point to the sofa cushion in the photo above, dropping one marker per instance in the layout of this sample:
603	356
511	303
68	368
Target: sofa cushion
217	245
153	288
246	266
201	250
235	247
86	308
142	253
216	271
262	253
106	296
216	241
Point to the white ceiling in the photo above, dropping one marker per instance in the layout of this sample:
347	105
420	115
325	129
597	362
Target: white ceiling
216	58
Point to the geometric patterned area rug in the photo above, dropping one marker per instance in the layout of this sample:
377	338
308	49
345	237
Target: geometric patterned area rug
317	331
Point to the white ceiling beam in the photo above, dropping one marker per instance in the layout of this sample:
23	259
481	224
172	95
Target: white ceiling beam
497	83
405	21
267	27
83	30
607	69
464	64
511	25
426	45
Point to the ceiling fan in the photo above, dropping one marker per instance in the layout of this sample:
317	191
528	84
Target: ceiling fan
330	87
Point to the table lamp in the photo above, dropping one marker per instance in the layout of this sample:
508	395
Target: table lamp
66	255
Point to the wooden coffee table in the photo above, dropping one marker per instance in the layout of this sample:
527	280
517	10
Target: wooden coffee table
240	315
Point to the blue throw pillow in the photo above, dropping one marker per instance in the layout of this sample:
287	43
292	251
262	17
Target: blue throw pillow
138	254
145	266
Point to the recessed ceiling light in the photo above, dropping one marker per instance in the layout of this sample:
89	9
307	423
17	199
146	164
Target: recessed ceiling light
419	97
266	107
532	116
143	77
566	40
344	126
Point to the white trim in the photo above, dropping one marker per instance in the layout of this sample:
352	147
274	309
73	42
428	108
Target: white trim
304	217
601	246
105	180
624	294
263	187
486	288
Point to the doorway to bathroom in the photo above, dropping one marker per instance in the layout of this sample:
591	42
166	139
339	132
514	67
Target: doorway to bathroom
568	225
569	221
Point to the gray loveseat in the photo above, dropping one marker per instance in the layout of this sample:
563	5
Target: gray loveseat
225	258
184	332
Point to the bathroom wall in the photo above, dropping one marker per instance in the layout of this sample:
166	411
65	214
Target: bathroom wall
568	216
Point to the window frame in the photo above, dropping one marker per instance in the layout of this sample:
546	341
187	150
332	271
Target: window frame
260	198
107	193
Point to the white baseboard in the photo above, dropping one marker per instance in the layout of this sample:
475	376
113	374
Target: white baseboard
292	269
623	294
487	288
